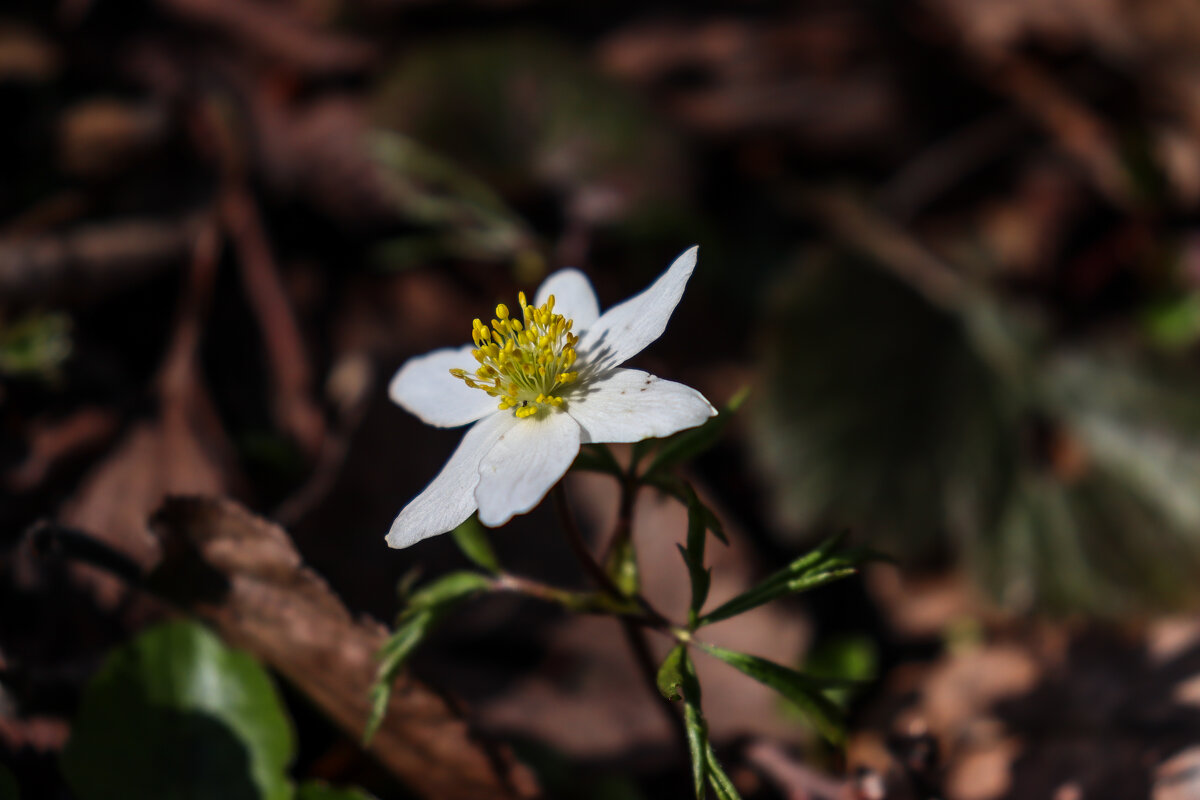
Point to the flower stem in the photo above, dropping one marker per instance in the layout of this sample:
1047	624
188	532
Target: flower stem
580	548
635	634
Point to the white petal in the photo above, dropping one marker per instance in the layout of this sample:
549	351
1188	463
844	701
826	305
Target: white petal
525	463
425	387
450	498
625	329
629	405
574	297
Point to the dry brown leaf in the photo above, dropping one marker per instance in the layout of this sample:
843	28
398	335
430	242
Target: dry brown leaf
242	575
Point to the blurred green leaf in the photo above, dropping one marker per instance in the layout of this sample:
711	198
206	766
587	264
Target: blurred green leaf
820	566
678	488
876	412
318	790
670	673
622	567
847	657
532	115
472	540
686	445
598	458
805	691
176	714
1174	323
693	556
427	607
8	785
461	215
35	345
448	589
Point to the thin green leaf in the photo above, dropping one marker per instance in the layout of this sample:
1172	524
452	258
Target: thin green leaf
678	489
392	657
642	449
694	723
722	787
473	542
597	458
816	568
426	608
803	690
677	680
448	589
693	556
688	444
697	739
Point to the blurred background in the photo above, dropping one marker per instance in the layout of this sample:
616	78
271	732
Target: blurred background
952	246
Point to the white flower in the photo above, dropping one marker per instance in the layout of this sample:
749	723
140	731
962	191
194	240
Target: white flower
537	385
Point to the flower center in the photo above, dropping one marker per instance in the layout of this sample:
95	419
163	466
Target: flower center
525	362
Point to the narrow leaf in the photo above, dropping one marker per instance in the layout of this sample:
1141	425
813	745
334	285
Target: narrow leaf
693	556
392	657
722	787
426	607
803	690
688	444
815	568
473	542
597	458
697	739
669	484
449	588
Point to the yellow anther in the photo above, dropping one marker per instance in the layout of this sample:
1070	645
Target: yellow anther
524	360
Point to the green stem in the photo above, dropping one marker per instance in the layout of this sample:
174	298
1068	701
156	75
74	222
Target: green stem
631	627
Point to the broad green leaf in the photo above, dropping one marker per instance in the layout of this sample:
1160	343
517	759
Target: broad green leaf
849	657
686	445
670	673
878	411
319	790
805	691
8	785
622	567
176	715
816	568
473	542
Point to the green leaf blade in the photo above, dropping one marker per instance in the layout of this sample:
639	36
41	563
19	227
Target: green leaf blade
803	690
690	443
175	713
473	542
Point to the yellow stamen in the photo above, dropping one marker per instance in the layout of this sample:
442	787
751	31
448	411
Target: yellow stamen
524	360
